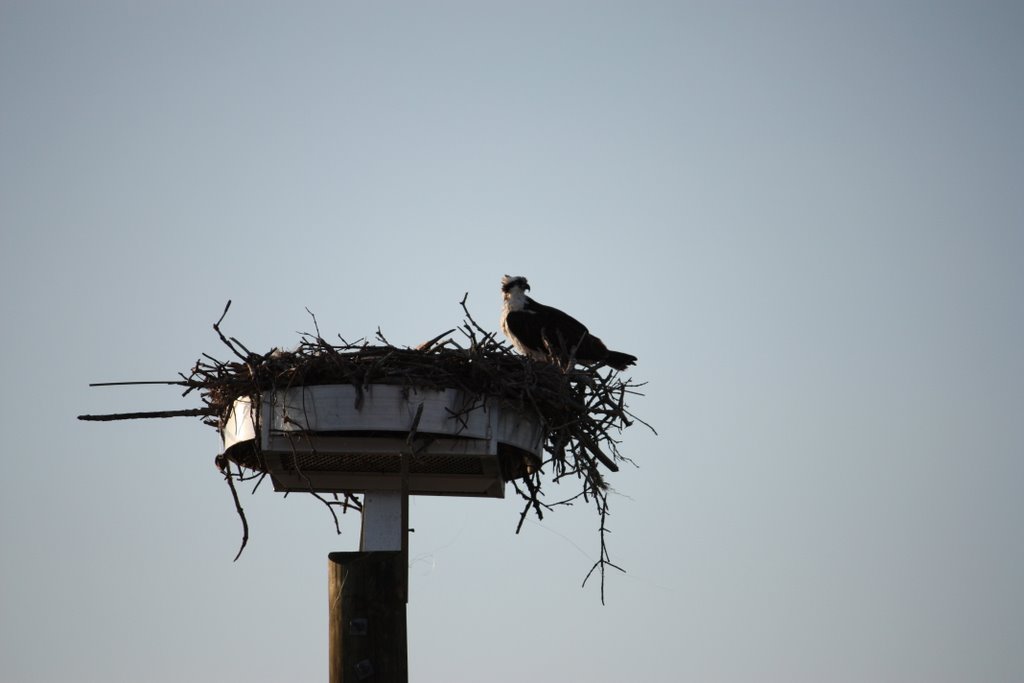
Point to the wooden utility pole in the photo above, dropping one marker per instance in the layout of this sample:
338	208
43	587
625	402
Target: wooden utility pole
367	593
367	629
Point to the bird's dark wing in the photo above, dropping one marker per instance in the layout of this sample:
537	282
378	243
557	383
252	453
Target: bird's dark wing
555	322
522	324
591	350
563	333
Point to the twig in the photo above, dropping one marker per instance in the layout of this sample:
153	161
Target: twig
425	346
316	326
194	412
177	382
216	328
241	513
604	560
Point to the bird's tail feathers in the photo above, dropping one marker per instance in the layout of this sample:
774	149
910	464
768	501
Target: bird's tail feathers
619	360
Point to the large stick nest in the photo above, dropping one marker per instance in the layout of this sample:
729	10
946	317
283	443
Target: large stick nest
583	410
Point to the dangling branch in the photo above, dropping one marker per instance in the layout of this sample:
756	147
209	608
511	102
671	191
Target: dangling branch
238	508
604	561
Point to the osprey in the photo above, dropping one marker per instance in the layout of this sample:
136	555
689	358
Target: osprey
540	332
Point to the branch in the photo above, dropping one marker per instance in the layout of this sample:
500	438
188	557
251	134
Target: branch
194	412
241	512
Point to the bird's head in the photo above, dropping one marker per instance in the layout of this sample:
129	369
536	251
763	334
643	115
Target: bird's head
509	283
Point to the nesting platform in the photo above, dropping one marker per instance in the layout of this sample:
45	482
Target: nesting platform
342	438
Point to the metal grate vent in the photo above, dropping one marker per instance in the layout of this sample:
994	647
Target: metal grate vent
380	463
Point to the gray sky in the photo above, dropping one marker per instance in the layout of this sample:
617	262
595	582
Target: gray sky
806	219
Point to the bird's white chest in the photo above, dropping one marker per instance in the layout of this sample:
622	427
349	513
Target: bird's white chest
514	302
506	309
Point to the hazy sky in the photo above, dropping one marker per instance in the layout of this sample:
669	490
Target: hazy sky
806	219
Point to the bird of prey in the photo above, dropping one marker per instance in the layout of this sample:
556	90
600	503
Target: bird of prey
545	333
